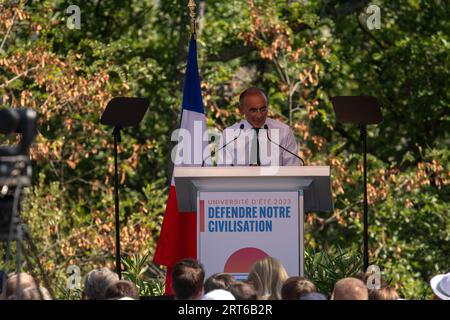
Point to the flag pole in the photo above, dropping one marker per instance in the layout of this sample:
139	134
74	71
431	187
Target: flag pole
192	7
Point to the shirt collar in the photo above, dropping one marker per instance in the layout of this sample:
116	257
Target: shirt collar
247	124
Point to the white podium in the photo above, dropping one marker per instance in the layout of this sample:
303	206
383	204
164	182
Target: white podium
246	213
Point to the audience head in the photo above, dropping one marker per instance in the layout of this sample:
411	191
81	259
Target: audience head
187	279
440	285
350	289
313	296
96	283
218	280
243	291
122	289
25	281
268	276
34	293
381	290
218	294
370	279
384	293
294	287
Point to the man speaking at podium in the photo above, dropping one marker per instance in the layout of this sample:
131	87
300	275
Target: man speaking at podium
257	140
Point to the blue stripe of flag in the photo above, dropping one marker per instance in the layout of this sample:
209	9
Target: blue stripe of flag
192	94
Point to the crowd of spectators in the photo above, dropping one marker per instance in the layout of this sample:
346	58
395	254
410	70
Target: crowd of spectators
267	280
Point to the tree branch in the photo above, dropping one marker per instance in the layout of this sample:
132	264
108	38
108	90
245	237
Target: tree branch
17	77
230	53
345	134
7	32
181	47
349	8
200	18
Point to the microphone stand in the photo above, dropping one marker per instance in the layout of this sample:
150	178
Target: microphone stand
241	127
268	138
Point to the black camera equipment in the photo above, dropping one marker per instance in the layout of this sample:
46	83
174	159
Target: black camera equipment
15	174
15	167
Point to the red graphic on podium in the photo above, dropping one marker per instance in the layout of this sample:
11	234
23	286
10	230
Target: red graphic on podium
242	260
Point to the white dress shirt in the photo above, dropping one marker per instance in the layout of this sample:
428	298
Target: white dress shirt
241	148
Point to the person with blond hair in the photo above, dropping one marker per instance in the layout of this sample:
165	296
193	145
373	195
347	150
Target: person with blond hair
267	276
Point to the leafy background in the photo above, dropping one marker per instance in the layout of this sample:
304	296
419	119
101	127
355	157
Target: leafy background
302	53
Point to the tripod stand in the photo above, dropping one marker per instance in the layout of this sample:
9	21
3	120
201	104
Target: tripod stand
16	173
20	232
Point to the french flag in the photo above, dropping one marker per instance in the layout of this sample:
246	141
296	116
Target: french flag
178	238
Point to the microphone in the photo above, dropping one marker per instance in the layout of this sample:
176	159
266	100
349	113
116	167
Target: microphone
241	127
295	155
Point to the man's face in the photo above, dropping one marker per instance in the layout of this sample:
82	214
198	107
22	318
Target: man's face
254	107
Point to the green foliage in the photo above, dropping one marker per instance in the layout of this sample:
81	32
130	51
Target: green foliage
325	268
302	53
147	277
63	293
412	232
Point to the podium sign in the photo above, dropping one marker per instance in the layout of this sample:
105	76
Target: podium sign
247	213
237	229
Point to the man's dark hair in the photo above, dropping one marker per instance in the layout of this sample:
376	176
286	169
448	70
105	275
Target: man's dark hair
251	91
122	289
243	291
187	279
294	287
218	280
